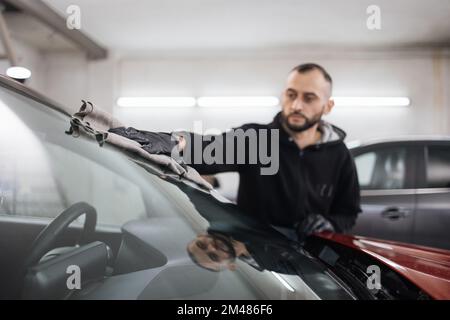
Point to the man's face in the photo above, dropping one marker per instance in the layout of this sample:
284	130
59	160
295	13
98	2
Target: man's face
305	99
213	252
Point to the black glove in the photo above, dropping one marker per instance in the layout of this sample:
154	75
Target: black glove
311	224
152	142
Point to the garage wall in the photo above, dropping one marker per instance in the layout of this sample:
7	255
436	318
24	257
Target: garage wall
422	75
70	77
379	74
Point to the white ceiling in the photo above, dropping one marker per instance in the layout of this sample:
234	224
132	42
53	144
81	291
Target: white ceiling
145	26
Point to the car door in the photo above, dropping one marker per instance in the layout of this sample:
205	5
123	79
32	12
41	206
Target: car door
432	220
386	175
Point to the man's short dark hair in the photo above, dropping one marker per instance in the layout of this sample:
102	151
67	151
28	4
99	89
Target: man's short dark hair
307	67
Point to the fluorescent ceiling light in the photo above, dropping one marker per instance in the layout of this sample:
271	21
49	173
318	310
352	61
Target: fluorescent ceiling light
264	101
20	73
371	101
156	102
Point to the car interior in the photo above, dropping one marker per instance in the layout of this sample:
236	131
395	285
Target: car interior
35	270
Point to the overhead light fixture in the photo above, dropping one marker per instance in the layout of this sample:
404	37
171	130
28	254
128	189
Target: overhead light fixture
19	73
371	101
263	101
156	102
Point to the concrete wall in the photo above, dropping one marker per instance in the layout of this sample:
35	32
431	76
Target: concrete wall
70	77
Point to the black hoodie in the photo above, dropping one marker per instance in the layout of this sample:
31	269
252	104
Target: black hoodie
319	179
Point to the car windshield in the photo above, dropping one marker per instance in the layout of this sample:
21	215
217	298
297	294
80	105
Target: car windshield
43	171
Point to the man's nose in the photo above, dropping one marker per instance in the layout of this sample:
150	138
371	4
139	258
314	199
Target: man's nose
297	105
211	247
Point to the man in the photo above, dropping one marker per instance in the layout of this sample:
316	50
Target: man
218	250
223	247
315	187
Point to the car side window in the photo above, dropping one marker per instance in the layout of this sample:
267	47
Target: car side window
382	169
438	167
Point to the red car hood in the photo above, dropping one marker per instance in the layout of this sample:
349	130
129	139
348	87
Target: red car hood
428	268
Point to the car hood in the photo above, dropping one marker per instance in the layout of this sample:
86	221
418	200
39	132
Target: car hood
426	267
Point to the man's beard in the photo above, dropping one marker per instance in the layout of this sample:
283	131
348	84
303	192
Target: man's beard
309	122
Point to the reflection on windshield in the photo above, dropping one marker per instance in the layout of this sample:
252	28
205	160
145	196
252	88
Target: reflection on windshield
233	238
263	249
216	252
27	184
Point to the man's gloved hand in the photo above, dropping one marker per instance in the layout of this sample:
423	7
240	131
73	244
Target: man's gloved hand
152	142
311	224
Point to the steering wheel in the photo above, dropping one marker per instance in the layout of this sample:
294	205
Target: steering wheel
46	240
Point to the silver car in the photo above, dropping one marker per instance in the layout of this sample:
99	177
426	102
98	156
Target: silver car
405	190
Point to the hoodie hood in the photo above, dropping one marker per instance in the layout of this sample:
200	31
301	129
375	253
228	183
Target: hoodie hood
330	133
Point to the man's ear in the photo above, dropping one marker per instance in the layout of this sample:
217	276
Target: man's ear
329	106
